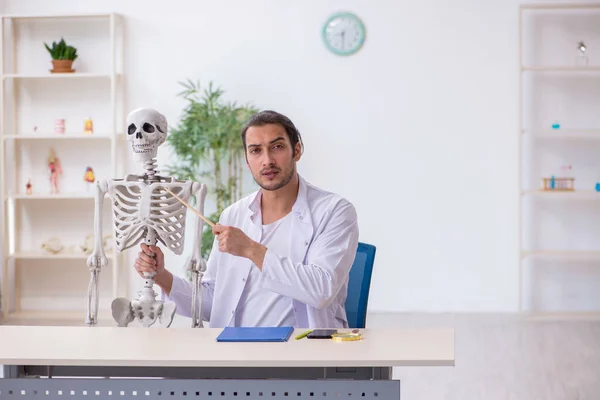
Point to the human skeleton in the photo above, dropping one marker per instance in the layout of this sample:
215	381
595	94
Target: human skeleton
143	210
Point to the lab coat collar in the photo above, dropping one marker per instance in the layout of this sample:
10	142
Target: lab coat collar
300	207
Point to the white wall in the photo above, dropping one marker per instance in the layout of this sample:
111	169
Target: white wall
418	130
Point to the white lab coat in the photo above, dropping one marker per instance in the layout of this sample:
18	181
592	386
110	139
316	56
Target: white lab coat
323	243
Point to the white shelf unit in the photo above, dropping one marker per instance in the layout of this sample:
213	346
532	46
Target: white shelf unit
559	238
35	284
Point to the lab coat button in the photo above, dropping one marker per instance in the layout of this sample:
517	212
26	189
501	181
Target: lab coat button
306	243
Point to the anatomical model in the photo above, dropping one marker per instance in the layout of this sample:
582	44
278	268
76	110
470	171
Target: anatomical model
89	176
143	210
54	170
88	126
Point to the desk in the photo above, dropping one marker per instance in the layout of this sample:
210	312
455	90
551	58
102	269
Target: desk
190	363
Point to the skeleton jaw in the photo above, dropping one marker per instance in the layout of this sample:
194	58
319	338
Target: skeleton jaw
144	151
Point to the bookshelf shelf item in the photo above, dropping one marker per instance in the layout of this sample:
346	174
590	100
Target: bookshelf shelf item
558	184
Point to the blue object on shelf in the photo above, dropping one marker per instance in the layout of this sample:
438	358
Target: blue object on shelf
556	125
598	187
552	182
255	334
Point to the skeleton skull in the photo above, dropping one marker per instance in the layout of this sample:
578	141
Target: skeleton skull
146	130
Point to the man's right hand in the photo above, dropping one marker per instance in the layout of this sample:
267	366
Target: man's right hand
145	263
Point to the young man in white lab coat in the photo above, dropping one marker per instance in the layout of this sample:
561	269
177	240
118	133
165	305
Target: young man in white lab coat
282	255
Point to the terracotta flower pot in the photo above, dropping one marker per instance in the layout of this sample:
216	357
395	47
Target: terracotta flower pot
62	66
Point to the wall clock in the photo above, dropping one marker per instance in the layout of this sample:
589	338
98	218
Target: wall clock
343	33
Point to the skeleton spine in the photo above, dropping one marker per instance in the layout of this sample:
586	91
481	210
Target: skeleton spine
151	171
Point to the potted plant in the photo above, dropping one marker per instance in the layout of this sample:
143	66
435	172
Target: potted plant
208	147
62	55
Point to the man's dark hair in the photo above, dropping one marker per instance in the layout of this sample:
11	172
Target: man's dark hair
272	117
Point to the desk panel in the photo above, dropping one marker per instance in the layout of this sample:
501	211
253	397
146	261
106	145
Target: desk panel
187	347
220	389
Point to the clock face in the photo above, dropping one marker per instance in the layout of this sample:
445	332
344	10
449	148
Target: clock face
344	33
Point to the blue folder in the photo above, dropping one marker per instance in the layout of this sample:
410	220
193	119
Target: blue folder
255	334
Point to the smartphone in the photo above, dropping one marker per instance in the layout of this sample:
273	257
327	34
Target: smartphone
321	334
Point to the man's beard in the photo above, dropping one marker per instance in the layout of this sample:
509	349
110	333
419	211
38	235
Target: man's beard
284	182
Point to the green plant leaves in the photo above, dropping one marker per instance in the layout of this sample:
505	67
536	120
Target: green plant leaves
208	146
62	51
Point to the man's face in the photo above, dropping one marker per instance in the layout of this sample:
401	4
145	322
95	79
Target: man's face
269	156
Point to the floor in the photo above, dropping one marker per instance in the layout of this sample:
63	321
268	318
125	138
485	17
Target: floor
502	357
505	357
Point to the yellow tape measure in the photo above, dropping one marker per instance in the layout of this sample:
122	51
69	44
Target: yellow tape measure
346	337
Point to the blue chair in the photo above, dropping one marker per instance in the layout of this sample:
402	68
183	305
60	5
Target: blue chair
359	285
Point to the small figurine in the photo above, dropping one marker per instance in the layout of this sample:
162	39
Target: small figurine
28	187
54	170
35	128
59	126
88	126
89	176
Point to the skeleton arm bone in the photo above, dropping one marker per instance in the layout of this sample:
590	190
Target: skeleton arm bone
97	260
196	263
183	292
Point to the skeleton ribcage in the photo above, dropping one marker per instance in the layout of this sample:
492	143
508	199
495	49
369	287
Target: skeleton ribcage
138	207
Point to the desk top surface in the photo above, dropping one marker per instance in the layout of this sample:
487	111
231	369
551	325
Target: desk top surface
187	347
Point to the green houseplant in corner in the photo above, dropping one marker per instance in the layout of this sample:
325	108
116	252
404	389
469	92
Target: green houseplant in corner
208	147
62	55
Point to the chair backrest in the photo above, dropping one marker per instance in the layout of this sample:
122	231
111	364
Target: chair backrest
359	285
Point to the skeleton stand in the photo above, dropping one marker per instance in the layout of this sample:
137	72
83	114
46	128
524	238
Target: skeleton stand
142	210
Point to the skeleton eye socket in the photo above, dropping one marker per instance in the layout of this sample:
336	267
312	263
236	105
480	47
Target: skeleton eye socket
131	129
148	128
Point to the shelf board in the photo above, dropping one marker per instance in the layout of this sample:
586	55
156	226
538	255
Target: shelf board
59	196
48	75
56	317
563	254
562	194
551	6
50	16
592	134
40	255
560	315
560	69
56	136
